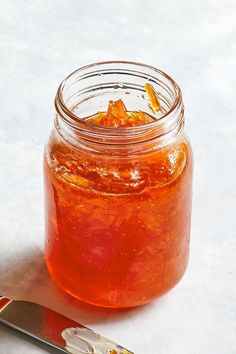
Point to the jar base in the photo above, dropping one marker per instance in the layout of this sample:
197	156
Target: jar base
107	305
77	297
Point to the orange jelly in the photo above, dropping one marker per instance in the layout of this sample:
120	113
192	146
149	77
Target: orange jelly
118	193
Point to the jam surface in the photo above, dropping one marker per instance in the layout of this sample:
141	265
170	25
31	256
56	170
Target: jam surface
117	229
117	116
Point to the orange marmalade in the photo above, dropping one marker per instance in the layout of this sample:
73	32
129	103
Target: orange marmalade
118	185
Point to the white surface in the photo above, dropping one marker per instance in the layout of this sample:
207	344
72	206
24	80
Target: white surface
195	42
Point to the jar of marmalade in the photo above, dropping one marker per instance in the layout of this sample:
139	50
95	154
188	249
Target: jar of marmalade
118	185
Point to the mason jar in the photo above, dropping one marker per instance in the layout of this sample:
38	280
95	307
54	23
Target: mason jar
117	200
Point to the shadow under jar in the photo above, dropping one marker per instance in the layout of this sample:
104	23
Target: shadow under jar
118	200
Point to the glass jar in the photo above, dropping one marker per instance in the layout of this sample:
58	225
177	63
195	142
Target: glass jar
118	200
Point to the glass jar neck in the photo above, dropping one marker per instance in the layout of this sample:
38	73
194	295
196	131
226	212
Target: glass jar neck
88	91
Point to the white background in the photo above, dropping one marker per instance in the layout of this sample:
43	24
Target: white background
41	42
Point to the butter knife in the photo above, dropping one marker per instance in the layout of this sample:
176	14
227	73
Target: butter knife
54	329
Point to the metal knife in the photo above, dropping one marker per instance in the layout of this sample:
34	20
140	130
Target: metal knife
54	329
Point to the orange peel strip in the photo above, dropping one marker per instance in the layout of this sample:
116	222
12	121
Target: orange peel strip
152	97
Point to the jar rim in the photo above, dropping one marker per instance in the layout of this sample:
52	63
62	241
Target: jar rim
73	120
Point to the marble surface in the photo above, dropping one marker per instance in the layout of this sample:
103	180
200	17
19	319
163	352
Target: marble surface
195	42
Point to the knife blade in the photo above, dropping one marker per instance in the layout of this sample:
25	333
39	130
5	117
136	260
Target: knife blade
55	329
